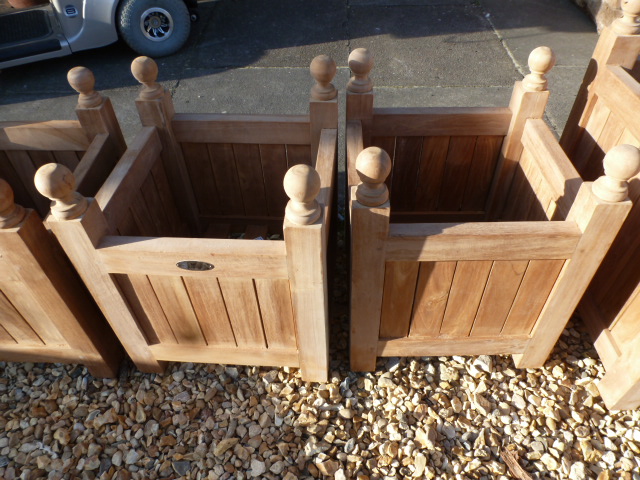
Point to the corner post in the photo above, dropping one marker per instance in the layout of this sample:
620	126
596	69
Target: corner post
155	109
528	100
619	44
79	225
323	105
599	210
359	109
370	210
304	236
95	112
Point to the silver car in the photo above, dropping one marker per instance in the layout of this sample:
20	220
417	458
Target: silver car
54	28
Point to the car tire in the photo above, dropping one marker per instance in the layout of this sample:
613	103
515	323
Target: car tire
154	27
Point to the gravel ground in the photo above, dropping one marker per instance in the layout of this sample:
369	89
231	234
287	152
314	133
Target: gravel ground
434	418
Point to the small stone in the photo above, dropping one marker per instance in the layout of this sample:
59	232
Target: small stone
518	402
481	404
604	475
346	413
626	465
116	459
92	463
181	467
484	363
141	417
328	468
257	468
550	462
132	457
420	463
340	475
386	382
448	374
224	445
426	439
578	471
62	435
277	468
609	458
167	441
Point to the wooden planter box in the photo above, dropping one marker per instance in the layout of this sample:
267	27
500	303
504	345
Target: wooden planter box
46	314
159	246
475	234
607	114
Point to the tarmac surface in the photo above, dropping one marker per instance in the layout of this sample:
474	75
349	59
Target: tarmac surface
252	57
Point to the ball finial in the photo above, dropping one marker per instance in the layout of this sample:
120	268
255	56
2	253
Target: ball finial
360	63
541	61
10	213
373	166
302	185
629	23
57	183
621	164
145	71
82	81
323	69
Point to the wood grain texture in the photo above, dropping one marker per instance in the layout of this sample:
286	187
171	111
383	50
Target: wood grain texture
437	347
250	179
47	136
274	168
456	172
397	299
274	298
432	293
405	172
211	311
242	306
431	172
196	158
481	172
227	355
223	164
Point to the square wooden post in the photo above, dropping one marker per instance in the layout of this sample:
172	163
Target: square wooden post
599	210
360	98
79	225
370	210
323	105
305	239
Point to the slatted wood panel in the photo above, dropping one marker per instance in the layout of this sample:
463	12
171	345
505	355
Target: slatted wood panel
440	173
456	300
241	180
212	312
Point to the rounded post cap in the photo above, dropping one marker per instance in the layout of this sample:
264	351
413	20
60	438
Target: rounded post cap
10	213
628	24
302	185
621	164
83	81
541	61
323	69
373	166
57	183
145	71
360	63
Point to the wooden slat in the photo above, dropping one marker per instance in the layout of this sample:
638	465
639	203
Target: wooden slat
388	144
196	158
467	288
592	131
14	323
405	172
440	121
481	241
521	195
256	232
155	207
223	164
144	217
223	128
23	166
435	347
432	166
355	144
274	298
621	92
174	299
397	299
124	182
41	157
5	338
481	172
249	258
533	293
249	355
297	154
152	310
456	172
93	168
274	168
432	293
502	287
251	179
9	174
208	304
49	136
326	165
437	217
242	306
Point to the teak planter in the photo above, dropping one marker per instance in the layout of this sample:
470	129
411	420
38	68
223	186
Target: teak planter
471	232
46	314
158	246
606	114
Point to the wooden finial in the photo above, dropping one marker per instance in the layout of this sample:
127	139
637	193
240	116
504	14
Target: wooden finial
10	213
629	23
373	166
302	185
145	70
541	60
360	63
57	183
621	164
82	81
323	69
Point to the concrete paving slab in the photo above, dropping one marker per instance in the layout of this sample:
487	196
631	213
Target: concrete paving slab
564	83
431	46
442	97
558	24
